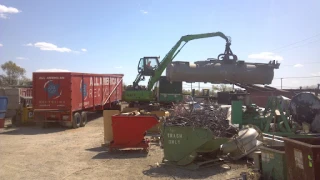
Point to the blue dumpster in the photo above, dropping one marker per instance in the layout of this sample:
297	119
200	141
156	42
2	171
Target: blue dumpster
3	109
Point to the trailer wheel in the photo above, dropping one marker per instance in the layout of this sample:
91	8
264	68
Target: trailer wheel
84	119
76	120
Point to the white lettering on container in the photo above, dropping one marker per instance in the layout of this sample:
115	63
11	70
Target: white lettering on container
96	81
51	77
175	138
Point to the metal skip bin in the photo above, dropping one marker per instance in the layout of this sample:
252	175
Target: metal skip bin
129	131
303	158
182	145
156	128
3	109
273	162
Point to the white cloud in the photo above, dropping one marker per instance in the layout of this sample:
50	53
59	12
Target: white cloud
316	74
29	44
298	65
21	58
118	67
76	52
266	56
1	45
49	47
4	11
52	70
3	16
144	12
45	46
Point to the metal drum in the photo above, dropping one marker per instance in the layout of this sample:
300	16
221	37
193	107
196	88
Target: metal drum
305	107
219	71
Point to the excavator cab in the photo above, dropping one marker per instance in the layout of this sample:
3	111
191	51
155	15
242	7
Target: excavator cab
148	65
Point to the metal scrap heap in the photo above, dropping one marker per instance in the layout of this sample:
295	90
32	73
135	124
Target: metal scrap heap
208	117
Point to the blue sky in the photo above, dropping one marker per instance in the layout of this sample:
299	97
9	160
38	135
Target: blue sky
111	36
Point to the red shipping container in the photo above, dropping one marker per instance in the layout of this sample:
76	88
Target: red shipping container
66	96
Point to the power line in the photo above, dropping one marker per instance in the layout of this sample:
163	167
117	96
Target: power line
188	85
296	42
273	78
298	77
300	45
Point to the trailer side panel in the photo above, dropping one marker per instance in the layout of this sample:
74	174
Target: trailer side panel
58	95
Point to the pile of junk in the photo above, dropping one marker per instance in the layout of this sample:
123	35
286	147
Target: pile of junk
276	138
195	135
271	137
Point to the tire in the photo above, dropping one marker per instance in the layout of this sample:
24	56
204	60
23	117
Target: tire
84	119
76	120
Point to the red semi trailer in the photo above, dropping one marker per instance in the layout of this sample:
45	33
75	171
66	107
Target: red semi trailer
66	97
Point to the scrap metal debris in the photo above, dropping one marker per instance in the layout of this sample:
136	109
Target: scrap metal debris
214	118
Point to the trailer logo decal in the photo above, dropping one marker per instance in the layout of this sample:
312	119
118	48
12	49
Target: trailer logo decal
52	89
83	90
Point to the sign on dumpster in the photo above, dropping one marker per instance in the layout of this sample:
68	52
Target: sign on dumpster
174	138
179	142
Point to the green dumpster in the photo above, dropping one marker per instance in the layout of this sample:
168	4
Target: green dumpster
273	162
182	145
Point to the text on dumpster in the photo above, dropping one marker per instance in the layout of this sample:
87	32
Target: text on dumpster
174	138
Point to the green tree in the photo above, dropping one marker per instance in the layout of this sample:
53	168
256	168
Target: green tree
186	91
215	87
24	81
310	87
224	87
12	74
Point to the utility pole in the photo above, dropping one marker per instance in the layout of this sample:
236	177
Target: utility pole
199	86
281	83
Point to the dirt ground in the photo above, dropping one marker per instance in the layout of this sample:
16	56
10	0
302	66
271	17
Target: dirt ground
60	153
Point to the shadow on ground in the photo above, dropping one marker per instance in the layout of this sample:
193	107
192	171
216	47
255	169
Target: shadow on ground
94	116
176	172
34	129
103	153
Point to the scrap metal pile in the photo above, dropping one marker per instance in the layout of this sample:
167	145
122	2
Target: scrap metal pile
214	118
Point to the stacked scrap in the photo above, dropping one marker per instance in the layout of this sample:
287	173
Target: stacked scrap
213	118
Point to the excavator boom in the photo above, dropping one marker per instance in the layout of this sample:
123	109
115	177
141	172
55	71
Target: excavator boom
174	52
136	93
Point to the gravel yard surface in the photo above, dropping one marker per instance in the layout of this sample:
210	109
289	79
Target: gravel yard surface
60	153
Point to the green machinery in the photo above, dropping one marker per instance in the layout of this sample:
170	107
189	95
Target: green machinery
150	66
272	120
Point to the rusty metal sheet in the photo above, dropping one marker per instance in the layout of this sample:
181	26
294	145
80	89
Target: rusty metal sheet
303	158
